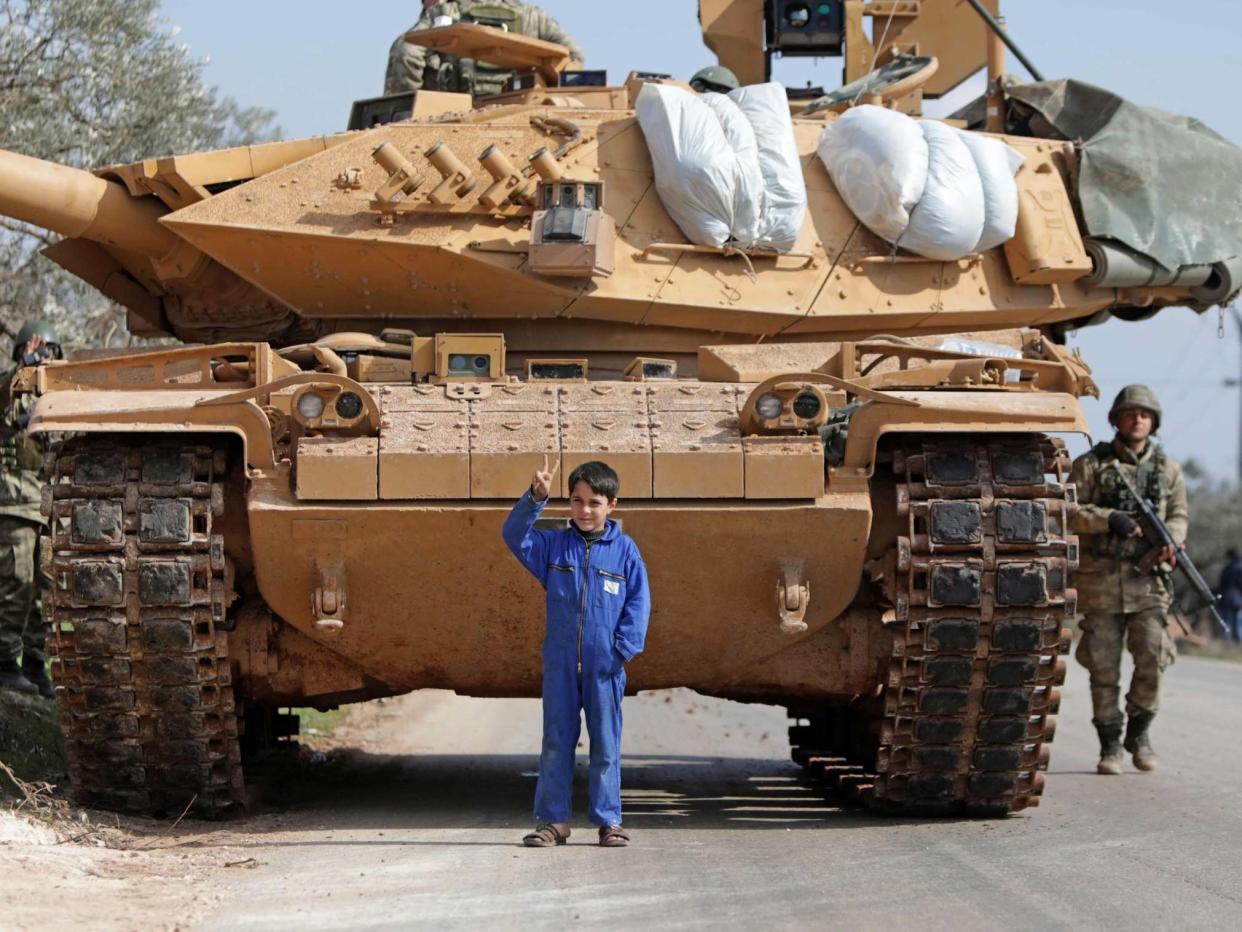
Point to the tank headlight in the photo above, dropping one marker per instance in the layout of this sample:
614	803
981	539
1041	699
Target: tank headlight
310	406
807	406
769	406
348	406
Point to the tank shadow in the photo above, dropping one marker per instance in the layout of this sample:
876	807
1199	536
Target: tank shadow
356	790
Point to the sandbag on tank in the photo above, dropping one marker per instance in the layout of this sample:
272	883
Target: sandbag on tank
767	108
747	223
922	185
726	167
947	222
713	192
997	164
877	158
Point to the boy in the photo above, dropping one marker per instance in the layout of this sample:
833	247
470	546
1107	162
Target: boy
597	610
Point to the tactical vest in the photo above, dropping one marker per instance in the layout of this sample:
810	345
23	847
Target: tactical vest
467	76
18	451
1111	492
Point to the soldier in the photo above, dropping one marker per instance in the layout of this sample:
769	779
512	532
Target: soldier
1124	587
715	79
22	629
412	67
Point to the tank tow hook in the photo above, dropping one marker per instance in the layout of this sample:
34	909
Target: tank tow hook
793	595
328	602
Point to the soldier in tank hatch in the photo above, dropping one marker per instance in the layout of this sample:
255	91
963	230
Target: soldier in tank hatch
414	68
22	629
715	79
1124	585
598	605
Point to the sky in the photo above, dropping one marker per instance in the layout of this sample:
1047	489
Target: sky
310	59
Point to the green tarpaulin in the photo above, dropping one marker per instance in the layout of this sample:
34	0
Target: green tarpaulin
1162	184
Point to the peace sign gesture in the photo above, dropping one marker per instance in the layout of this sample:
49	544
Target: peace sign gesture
541	484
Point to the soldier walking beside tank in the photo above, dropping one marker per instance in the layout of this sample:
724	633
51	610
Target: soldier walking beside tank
22	628
414	68
1124	585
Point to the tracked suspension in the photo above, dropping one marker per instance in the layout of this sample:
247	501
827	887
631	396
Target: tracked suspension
138	613
979	591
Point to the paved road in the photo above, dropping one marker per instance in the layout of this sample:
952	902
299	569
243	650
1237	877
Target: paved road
422	824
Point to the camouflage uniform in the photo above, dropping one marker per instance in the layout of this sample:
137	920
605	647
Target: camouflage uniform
1122	604
413	68
22	629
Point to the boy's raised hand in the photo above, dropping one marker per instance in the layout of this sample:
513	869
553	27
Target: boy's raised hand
541	484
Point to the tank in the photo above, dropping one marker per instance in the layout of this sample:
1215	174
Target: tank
843	465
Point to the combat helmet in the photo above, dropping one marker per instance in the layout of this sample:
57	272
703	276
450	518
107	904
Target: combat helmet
33	328
716	79
1136	396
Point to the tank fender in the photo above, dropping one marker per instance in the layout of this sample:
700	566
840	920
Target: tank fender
129	412
958	412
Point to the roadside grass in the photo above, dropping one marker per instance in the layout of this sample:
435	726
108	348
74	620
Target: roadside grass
314	723
1212	650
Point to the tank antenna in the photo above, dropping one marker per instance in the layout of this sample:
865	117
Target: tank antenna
1004	37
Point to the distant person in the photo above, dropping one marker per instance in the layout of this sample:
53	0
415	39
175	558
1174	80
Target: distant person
415	68
1123	583
1230	591
597	610
715	79
23	632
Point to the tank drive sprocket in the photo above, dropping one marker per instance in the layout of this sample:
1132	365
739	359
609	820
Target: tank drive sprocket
978	593
138	612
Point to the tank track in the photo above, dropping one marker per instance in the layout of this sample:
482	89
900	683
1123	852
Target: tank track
979	593
138	624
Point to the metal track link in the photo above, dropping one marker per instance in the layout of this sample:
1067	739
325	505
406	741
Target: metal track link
138	617
978	586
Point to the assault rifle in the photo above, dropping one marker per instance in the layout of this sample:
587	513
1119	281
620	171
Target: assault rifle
1157	533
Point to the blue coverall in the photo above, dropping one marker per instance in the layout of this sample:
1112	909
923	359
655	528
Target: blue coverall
598	605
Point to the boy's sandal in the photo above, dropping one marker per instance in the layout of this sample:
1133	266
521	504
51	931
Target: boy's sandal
613	836
545	835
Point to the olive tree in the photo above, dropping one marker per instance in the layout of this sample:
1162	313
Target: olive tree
89	83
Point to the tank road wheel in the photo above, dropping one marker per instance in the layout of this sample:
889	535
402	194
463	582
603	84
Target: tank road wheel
138	619
978	586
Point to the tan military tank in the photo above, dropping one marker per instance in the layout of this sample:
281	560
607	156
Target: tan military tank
839	460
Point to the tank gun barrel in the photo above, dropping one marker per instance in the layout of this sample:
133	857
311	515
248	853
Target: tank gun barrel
75	203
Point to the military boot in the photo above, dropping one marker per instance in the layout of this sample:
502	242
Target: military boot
1137	742
1111	755
11	678
36	672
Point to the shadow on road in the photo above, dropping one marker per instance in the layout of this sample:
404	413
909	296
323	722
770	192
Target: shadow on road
353	790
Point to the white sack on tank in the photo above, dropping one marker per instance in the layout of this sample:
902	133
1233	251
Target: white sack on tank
933	190
947	222
747	222
784	209
877	158
997	163
701	180
726	167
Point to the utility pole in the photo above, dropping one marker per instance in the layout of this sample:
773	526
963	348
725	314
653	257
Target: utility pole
1237	383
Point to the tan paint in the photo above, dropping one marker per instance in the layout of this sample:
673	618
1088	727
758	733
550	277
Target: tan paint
960	412
373	539
949	30
469	617
734	30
